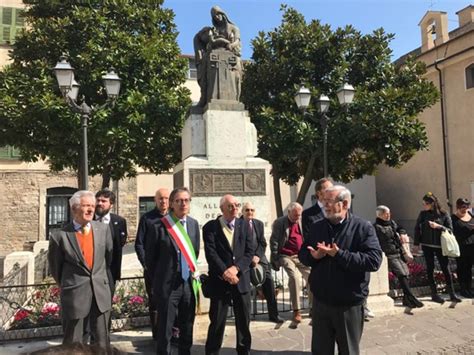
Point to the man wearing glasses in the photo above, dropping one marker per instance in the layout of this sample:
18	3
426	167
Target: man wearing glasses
173	265
256	230
341	249
229	251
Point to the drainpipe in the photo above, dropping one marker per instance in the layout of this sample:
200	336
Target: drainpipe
445	137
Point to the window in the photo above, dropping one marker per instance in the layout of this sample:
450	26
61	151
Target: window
145	204
58	212
9	152
470	76
12	22
192	72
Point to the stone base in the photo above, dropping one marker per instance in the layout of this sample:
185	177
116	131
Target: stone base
378	301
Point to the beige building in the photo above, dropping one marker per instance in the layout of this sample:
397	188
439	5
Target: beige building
447	168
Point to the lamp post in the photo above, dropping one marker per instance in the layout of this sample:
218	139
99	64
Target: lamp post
345	95
70	89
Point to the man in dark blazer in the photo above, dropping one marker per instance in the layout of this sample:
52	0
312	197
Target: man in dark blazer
229	251
315	213
145	245
105	199
79	257
174	281
256	229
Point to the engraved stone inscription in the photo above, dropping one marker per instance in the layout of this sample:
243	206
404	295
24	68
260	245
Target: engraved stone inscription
217	182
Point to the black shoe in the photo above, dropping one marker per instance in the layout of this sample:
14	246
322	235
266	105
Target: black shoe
276	319
454	298
437	298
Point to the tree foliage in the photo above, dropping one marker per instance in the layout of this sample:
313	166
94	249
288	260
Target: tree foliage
380	127
139	40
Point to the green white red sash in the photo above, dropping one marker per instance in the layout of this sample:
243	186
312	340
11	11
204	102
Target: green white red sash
179	234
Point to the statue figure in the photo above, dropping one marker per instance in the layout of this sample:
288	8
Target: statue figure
217	55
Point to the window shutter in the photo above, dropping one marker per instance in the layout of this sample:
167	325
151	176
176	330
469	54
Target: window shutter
4	152
11	22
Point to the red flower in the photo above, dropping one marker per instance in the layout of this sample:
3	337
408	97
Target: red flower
54	291
21	314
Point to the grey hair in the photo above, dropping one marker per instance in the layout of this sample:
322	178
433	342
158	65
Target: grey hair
223	198
294	205
343	193
248	203
380	210
75	199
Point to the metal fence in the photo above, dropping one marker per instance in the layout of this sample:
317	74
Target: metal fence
28	311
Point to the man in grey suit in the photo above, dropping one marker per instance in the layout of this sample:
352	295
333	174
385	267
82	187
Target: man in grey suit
285	243
79	258
172	264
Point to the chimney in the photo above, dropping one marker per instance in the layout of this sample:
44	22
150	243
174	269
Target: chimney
434	29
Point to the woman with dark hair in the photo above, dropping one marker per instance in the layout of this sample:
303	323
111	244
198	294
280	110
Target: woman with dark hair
429	225
463	229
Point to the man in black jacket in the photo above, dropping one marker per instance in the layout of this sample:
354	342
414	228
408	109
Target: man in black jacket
342	250
229	250
315	213
105	199
256	230
145	245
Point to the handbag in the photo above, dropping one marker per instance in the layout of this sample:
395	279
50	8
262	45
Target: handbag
406	252
449	244
205	285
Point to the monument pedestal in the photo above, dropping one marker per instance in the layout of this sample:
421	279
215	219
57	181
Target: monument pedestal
219	148
378	301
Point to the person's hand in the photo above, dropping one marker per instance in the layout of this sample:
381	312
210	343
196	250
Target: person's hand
316	253
435	225
234	280
330	248
404	238
255	260
230	273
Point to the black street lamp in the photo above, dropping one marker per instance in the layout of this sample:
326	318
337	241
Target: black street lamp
345	95
70	89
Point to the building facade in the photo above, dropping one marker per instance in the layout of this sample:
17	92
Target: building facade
447	168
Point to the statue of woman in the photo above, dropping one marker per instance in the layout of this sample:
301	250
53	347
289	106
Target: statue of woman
223	34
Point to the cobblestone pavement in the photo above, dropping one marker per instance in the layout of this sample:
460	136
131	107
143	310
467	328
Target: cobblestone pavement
434	329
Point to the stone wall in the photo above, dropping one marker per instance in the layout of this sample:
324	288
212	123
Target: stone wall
23	204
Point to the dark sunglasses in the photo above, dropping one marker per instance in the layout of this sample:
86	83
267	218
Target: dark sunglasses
249	210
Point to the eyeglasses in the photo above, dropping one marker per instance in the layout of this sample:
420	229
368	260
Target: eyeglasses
249	210
331	201
183	201
464	206
233	206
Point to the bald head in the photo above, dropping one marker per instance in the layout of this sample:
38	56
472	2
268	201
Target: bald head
162	196
229	207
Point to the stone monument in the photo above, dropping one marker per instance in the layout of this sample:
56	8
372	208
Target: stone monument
219	142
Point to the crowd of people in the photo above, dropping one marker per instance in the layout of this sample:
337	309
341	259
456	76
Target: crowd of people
334	250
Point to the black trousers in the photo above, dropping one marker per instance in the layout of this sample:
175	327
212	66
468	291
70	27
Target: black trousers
429	254
218	316
464	265
180	301
332	324
268	289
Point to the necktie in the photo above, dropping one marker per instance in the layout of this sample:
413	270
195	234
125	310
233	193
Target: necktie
184	264
231	226
85	229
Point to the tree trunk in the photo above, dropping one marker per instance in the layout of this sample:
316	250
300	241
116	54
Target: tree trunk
277	194
306	180
106	177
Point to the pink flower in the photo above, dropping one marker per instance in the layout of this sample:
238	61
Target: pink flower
54	291
391	276
50	308
136	300
115	299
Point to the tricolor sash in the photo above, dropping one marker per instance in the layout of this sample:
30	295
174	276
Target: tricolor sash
179	234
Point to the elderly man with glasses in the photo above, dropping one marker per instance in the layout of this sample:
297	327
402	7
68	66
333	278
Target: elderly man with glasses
229	250
256	230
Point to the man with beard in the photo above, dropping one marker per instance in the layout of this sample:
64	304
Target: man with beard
341	249
105	199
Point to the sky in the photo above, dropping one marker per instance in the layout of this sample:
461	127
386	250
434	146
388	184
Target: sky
400	17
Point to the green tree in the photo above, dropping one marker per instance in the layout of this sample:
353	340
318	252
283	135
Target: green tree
142	129
380	127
